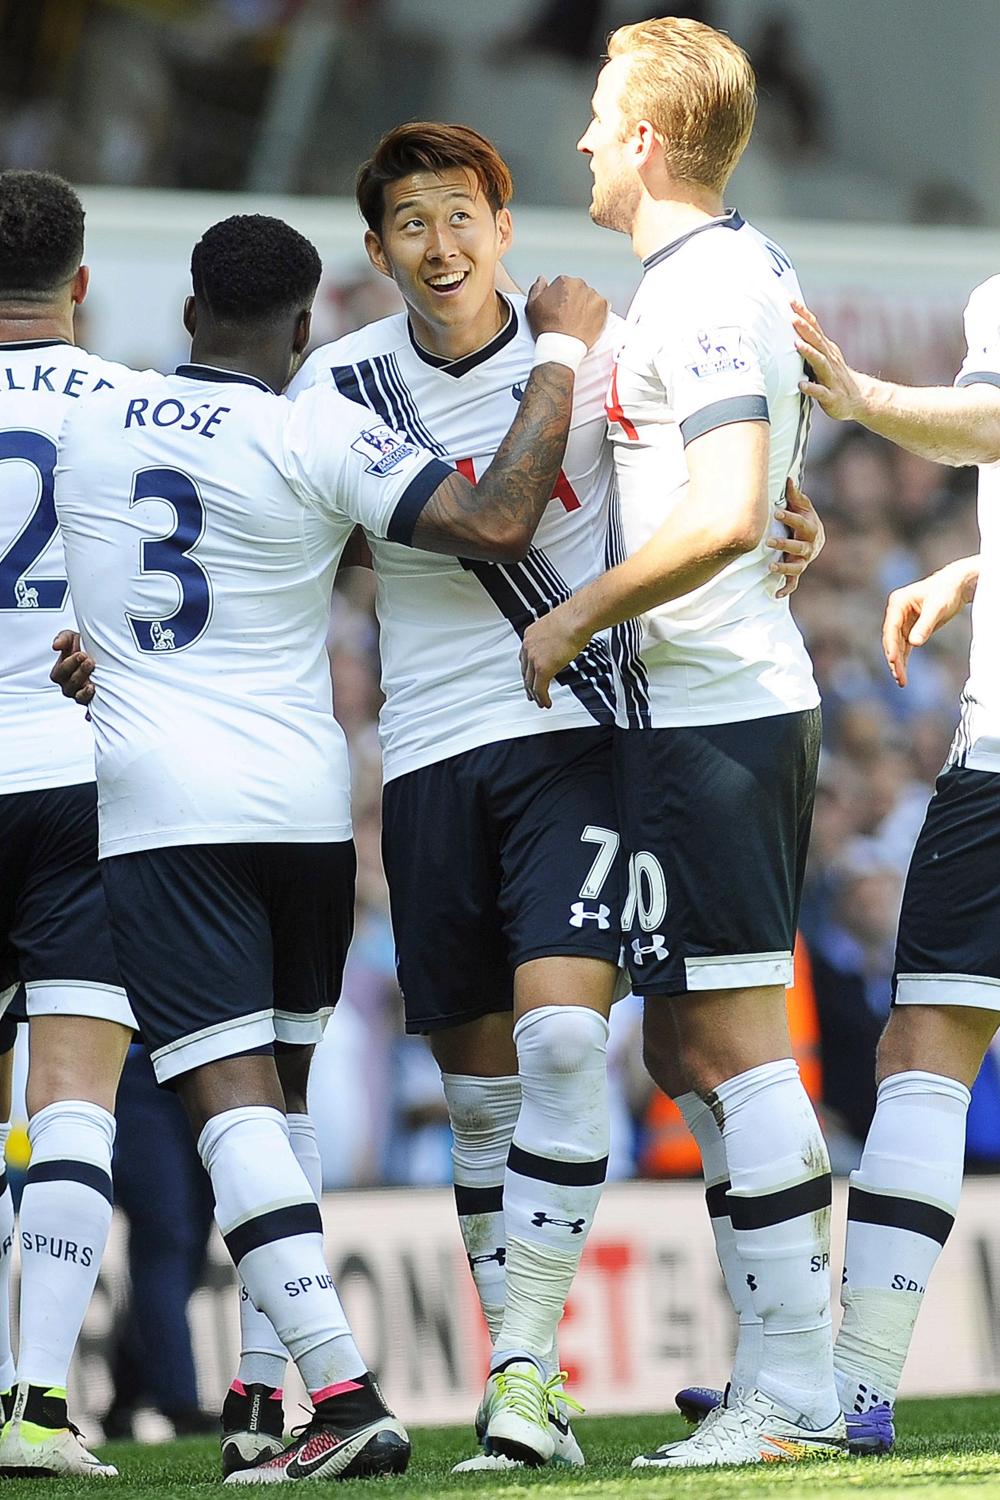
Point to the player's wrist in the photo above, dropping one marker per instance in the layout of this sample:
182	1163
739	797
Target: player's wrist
559	349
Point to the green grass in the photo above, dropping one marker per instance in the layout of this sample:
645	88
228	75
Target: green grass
946	1448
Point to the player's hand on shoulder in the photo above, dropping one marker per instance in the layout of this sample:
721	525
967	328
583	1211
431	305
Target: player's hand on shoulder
830	381
914	612
567	305
807	540
72	671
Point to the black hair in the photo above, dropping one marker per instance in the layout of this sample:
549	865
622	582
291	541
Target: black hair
41	233
253	269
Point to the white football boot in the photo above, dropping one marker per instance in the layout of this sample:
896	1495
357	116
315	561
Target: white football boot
516	1431
752	1431
38	1440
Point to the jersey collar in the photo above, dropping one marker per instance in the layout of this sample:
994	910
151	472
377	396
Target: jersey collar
217	377
36	344
459	367
731	219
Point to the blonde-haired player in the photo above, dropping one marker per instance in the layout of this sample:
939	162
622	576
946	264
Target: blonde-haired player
716	762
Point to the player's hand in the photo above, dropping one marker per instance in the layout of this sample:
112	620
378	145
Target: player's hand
806	542
548	646
73	669
567	305
914	612
834	385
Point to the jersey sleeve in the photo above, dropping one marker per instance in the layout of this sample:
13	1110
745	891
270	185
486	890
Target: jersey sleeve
341	460
982	336
710	364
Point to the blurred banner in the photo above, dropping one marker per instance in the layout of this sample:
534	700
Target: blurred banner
893	296
648	1313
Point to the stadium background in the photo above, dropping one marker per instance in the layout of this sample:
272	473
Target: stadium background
875	164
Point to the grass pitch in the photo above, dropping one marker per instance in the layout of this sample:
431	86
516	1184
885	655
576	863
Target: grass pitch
947	1448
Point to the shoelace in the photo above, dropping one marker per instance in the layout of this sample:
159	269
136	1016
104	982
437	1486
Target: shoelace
556	1396
733	1421
525	1394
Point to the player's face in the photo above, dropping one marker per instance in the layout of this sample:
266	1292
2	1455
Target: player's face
440	243
617	189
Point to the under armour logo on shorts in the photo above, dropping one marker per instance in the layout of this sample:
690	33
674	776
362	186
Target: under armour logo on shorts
575	1226
581	914
655	948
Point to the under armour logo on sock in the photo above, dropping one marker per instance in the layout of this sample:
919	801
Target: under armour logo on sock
752	1283
575	1226
499	1255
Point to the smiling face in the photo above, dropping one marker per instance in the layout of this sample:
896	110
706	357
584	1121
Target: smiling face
617	188
440	243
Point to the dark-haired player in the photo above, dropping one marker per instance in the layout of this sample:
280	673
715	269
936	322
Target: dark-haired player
511	901
203	517
53	928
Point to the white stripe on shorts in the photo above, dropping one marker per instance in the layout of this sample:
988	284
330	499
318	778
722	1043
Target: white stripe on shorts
948	989
79	997
739	971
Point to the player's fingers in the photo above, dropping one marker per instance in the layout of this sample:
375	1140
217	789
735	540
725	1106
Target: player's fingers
537	287
792	546
926	623
85	694
66	641
819	393
800	309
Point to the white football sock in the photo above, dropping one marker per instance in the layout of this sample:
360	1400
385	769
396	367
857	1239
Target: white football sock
483	1113
64	1222
902	1204
556	1167
6	1257
701	1123
271	1224
262	1354
779	1204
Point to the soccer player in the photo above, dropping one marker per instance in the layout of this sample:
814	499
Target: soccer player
716	762
523	872
203	518
54	935
946	983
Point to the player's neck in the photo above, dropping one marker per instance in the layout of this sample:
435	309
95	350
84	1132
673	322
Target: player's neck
35	325
262	363
660	220
469	338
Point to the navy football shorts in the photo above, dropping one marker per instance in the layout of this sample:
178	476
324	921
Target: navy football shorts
505	853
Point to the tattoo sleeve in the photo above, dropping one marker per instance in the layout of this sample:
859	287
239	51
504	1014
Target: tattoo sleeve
496	518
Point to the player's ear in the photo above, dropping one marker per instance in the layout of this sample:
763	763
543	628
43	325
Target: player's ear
644	143
79	285
376	254
303	328
190	315
505	230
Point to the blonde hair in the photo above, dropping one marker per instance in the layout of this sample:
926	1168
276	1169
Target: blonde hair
697	89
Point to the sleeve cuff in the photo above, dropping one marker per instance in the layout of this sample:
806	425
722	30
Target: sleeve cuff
413	499
722	414
979	377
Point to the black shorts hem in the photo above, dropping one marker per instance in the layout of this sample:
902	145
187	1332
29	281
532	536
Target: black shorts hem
557	950
423	1026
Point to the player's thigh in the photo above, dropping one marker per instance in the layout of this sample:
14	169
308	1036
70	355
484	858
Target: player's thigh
562	871
309	899
483	1048
61	934
715	821
440	848
193	941
946	984
75	1057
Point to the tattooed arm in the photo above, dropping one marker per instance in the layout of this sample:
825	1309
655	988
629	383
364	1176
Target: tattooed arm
495	520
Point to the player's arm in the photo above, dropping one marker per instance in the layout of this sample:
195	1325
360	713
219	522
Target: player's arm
723	514
914	612
949	424
495	519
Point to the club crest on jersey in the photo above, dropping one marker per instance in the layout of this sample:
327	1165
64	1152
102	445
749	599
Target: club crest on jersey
382	449
718	353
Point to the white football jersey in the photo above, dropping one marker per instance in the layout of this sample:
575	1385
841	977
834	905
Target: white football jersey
977	740
45	739
203	518
708	341
450	629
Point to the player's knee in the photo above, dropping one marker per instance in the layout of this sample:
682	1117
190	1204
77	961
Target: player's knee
561	1039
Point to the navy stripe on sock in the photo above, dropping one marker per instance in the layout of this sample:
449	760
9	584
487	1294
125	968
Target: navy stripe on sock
766	1209
278	1224
4	1184
473	1200
84	1172
899	1213
718	1203
565	1173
